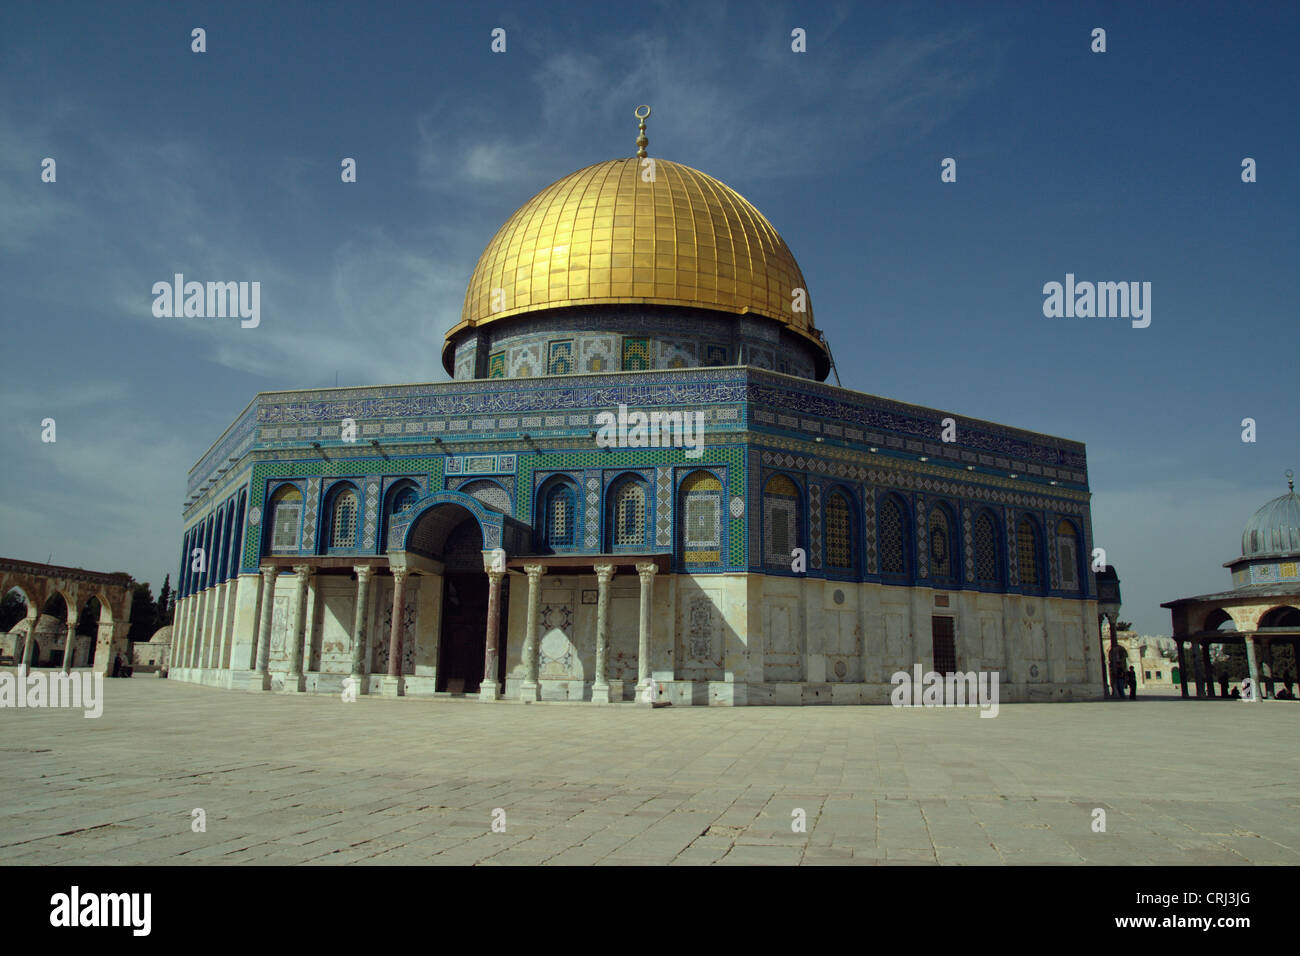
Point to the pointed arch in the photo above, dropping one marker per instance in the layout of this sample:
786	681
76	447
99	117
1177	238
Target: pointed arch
840	531
894	538
283	522
699	511
782	521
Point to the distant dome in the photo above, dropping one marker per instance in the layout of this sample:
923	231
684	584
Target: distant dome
162	636
1274	528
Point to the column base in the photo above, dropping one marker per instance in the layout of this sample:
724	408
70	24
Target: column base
489	690
530	691
391	687
294	683
600	693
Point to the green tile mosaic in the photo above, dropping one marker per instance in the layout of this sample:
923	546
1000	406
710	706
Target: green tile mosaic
431	466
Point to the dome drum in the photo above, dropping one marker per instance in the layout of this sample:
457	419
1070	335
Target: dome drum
599	339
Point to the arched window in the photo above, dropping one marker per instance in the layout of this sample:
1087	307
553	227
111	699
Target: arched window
399	499
286	518
939	542
343	520
403	500
628	514
891	528
701	521
1028	553
987	565
560	515
1067	552
780	521
839	532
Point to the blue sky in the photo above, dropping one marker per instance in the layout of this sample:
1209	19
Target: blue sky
225	165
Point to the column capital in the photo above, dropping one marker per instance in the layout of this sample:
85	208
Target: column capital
302	570
362	572
269	570
646	568
604	573
399	574
494	577
534	570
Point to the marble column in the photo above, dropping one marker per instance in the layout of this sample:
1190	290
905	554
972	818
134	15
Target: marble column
600	687
1252	662
1182	666
1208	668
69	646
1266	668
294	682
530	689
645	682
1105	665
392	685
269	576
359	624
489	689
29	642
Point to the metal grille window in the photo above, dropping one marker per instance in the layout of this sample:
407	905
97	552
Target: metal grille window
702	518
286	510
781	520
1027	552
891	537
343	526
986	550
1067	546
560	517
839	535
403	500
629	514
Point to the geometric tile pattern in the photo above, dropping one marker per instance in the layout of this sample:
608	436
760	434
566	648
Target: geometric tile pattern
664	507
372	514
814	525
309	515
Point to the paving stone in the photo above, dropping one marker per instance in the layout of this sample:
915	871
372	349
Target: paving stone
284	780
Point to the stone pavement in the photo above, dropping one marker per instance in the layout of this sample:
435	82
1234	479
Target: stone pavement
310	779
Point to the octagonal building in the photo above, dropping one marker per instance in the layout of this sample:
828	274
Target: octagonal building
637	485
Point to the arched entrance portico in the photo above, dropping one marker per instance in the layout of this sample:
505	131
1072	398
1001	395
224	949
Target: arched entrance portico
448	540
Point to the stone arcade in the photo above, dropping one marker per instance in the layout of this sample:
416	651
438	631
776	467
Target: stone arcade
333	553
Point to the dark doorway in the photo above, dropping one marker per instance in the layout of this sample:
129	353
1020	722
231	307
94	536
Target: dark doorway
945	647
464	631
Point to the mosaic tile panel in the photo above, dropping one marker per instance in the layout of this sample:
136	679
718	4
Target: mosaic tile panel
497	365
664	507
310	504
559	360
592	528
636	354
869	519
968	548
372	515
921	548
815	526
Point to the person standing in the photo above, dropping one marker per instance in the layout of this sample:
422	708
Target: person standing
1132	684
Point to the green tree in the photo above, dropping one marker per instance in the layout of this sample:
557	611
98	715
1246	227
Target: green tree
163	611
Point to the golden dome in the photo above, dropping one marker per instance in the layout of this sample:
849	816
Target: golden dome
603	235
